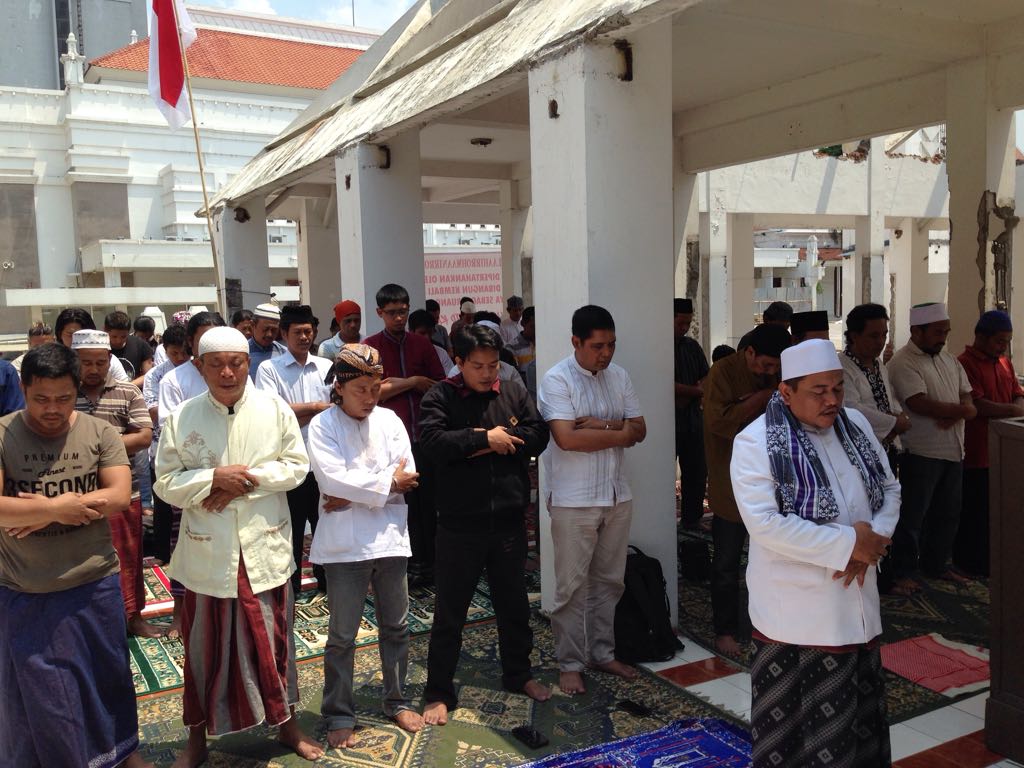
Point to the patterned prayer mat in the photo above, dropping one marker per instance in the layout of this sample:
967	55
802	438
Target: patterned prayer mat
478	734
157	662
687	743
959	611
939	664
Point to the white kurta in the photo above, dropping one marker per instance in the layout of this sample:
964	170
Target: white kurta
261	433
355	460
793	597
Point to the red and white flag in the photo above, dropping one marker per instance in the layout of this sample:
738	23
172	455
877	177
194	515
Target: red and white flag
166	70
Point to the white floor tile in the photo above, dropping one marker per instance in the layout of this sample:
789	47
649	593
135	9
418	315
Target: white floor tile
946	723
974	705
906	741
740	680
693	652
1006	764
724	696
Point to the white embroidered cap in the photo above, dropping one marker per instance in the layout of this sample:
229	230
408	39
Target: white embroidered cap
490	324
223	339
86	339
467	308
922	314
267	311
807	357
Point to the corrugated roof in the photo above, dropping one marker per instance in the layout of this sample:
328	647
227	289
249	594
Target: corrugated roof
220	55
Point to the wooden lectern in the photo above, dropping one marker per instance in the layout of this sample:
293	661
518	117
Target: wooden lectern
1004	712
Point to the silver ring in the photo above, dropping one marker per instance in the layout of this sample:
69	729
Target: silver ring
248	485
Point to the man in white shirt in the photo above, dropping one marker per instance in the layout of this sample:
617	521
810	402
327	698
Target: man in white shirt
510	326
299	379
362	459
593	413
933	387
819	501
226	458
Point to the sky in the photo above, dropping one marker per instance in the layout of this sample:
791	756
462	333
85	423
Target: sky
373	14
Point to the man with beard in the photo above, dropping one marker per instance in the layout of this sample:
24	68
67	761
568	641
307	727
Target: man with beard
932	385
737	391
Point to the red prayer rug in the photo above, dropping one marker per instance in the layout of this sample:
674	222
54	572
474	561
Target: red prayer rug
938	664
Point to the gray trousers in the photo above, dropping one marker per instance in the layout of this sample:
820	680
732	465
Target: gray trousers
346	594
589	546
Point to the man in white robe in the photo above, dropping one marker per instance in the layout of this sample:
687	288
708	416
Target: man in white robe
820	503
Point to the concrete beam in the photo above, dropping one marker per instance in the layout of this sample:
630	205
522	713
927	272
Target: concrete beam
460	213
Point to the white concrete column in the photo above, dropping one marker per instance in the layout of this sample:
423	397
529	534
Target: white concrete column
244	246
857	268
713	228
603	234
979	157
872	247
513	218
739	274
908	255
319	260
685	219
380	222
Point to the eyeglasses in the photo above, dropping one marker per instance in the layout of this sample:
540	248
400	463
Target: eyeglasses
395	312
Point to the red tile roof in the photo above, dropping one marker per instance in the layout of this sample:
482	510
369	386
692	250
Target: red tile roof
220	55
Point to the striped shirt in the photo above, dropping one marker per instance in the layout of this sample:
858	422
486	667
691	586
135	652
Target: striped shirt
568	392
120	405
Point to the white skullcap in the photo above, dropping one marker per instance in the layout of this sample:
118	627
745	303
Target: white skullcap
807	357
90	340
923	314
221	339
467	308
267	311
489	324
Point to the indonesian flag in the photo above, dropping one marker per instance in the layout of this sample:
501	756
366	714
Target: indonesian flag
166	71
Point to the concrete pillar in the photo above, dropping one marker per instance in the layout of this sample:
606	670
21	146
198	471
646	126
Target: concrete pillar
713	231
872	247
739	275
603	234
685	220
319	261
513	216
980	157
244	246
380	222
908	256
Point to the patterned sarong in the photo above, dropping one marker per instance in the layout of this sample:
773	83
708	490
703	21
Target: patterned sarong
67	695
815	707
126	533
239	658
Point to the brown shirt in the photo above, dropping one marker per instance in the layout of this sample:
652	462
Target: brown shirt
728	381
58	557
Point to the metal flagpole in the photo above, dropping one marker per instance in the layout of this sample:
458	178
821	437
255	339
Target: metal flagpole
218	261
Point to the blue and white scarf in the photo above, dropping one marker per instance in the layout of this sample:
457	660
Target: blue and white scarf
801	486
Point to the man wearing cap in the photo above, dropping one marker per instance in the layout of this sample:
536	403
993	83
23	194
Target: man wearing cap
691	368
511	327
264	345
820	502
997	395
736	392
932	386
227	458
809	325
299	378
349	318
467	310
410	368
121	405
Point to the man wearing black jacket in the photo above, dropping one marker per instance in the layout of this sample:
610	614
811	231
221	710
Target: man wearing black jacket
480	434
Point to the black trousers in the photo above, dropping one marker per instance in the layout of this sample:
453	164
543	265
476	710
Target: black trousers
929	515
461	559
728	539
693	471
970	548
163	519
422	515
304	506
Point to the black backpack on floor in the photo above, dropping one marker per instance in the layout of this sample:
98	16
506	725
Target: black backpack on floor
643	626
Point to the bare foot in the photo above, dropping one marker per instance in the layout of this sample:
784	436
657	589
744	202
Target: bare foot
342	738
174	628
727	646
571	683
617	668
136	761
435	713
195	753
537	690
409	721
905	586
293	737
139	627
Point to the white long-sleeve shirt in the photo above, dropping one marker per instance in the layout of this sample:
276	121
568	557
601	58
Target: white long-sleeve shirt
261	432
177	386
355	460
296	383
793	597
857	394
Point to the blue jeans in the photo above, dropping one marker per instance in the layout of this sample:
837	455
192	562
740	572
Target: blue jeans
346	594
